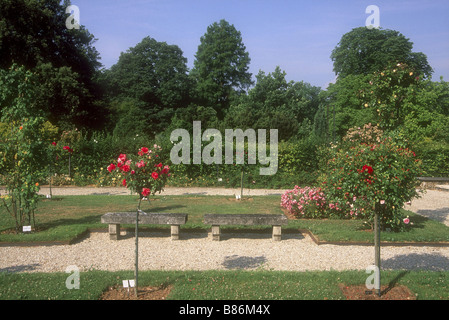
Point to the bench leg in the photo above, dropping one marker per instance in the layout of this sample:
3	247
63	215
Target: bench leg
114	231
175	232
216	233
277	233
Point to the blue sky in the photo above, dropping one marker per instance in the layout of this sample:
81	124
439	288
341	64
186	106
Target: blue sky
296	35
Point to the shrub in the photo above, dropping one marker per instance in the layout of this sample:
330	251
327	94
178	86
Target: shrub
304	202
363	174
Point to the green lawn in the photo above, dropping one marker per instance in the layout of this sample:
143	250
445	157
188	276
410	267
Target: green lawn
220	285
64	218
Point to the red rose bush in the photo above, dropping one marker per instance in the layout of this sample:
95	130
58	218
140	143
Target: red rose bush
143	173
367	168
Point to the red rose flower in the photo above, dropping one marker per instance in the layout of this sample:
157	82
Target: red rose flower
122	158
126	168
368	168
111	167
155	175
124	182
145	192
143	151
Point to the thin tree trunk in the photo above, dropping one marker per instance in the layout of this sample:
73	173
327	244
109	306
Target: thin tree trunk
136	262
241	184
377	247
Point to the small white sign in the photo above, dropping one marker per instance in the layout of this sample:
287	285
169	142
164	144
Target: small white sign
26	228
220	179
237	196
128	283
48	196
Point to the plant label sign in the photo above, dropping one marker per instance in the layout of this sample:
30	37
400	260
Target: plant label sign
128	284
26	228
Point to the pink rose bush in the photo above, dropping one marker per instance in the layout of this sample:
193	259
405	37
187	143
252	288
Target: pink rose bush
142	173
304	202
358	176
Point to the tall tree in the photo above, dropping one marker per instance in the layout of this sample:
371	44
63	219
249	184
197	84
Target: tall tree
363	51
275	103
34	34
154	75
221	66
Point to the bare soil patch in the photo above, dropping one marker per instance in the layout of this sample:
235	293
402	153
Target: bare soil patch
144	293
360	292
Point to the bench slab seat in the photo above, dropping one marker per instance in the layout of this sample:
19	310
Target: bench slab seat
115	219
274	220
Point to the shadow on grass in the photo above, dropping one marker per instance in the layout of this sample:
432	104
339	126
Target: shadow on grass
86	220
394	281
165	209
440	215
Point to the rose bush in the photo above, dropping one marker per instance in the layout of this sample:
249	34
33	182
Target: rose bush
22	145
304	202
143	173
363	174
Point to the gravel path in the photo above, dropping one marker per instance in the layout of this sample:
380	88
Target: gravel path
196	251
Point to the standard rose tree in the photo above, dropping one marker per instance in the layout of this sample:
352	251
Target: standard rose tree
143	174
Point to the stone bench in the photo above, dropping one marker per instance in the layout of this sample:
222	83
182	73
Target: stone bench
217	220
115	219
433	183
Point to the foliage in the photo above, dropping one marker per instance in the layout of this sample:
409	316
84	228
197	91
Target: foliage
65	61
435	157
146	86
304	202
391	95
144	174
345	105
221	66
363	51
274	103
22	149
361	174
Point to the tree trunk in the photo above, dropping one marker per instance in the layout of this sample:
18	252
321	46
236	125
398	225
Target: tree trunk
241	184
136	262
377	246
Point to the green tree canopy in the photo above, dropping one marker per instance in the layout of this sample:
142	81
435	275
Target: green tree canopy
363	51
34	31
221	66
154	75
275	103
34	34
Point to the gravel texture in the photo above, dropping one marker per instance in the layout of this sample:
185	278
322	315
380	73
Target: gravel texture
249	251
